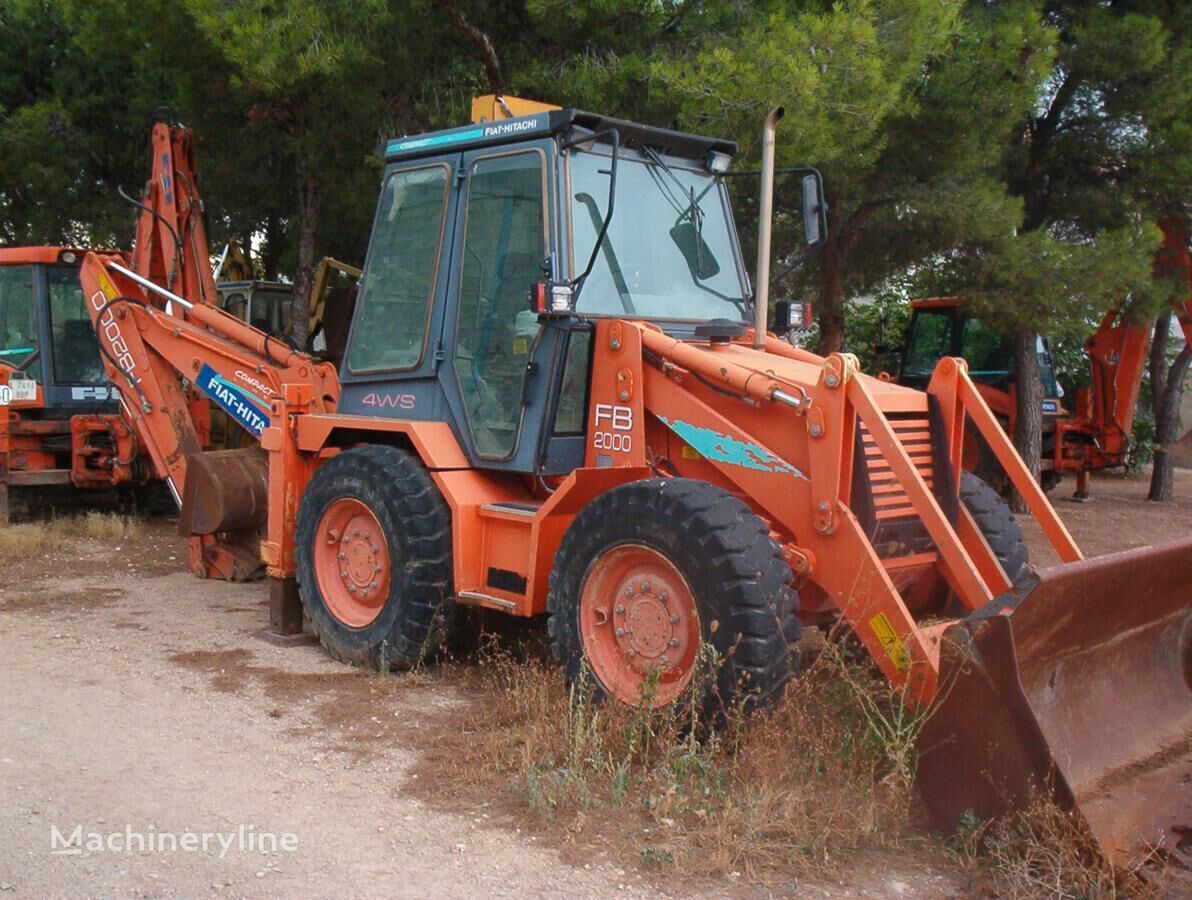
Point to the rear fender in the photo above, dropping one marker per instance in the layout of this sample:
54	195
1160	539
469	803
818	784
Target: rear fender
434	442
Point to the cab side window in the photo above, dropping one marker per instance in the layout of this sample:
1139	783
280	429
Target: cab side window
398	283
931	339
76	351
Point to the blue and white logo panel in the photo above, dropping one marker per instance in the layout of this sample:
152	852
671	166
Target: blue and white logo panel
245	408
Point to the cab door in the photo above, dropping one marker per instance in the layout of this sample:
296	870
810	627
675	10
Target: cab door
502	360
20	325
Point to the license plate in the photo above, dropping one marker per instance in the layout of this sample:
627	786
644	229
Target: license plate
18	389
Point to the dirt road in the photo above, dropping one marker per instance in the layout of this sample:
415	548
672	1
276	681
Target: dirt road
111	721
136	698
146	702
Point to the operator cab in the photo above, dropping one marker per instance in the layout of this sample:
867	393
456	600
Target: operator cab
46	339
940	327
267	305
470	219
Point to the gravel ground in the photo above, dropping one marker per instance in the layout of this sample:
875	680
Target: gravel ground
137	697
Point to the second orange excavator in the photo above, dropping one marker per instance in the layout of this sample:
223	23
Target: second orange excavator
1095	434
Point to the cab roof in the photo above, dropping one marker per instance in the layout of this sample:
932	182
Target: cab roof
23	256
544	124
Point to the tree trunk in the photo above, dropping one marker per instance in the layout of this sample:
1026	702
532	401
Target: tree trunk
308	217
271	248
830	314
1167	389
1028	424
485	48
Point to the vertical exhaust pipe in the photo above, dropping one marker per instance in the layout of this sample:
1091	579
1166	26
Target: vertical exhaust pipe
761	296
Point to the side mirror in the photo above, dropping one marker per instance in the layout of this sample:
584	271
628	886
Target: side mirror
813	209
791	315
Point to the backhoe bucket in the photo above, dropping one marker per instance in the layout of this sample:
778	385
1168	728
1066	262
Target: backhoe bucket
1076	684
226	490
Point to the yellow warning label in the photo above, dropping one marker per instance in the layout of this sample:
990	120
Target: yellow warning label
891	642
689	452
520	347
105	283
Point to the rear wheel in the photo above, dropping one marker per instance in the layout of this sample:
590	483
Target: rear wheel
373	548
650	572
996	522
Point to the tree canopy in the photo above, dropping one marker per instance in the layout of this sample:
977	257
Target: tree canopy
1018	152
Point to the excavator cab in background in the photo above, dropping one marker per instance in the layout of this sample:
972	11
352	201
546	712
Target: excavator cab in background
60	427
269	305
1095	433
940	327
559	398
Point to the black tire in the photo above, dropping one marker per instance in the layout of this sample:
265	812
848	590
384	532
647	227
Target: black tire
411	625
986	467
740	584
996	522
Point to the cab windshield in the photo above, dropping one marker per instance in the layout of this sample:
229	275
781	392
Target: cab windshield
669	251
75	349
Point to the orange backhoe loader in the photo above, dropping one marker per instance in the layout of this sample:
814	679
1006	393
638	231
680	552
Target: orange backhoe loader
559	398
61	433
1095	434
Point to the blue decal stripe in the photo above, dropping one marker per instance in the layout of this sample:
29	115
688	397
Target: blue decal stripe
515	127
724	448
434	141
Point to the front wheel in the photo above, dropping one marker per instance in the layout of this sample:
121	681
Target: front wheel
373	554
649	574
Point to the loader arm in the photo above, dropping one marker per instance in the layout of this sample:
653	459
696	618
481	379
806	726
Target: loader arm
789	447
1070	683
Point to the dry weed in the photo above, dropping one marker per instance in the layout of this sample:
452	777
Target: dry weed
24	540
102	526
21	540
826	772
1042	851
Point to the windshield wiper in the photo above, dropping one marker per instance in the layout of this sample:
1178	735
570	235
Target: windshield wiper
24	362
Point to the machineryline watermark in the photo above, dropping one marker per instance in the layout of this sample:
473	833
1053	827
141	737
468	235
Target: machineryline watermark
77	841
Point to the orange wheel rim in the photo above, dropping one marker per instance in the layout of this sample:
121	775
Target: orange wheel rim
638	622
352	562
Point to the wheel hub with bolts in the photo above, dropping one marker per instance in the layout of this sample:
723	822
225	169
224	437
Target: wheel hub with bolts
352	562
639	623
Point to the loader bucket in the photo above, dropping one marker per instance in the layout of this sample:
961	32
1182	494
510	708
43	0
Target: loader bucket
1077	684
